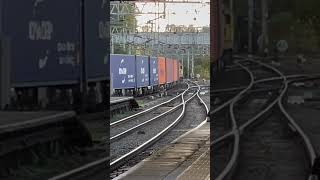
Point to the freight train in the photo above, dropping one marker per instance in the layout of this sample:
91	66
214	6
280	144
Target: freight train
138	75
54	53
50	49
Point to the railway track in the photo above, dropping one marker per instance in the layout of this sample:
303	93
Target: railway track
167	101
267	122
168	121
124	127
118	160
257	143
148	128
192	131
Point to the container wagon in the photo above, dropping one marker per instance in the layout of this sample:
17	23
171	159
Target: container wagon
97	55
142	74
162	71
175	70
45	63
123	74
153	74
169	72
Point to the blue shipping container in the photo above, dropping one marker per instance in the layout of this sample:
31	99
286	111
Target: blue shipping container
123	74
97	37
43	37
153	73
142	70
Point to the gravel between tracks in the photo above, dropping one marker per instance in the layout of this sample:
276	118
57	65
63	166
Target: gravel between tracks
195	114
145	102
145	117
124	145
141	135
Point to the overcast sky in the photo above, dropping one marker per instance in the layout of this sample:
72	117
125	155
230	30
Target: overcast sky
184	14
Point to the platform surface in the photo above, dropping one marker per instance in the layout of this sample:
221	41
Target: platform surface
15	120
185	158
114	100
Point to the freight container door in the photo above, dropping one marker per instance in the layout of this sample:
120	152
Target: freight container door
162	70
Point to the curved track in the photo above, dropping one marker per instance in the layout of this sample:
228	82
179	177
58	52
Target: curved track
164	127
228	145
143	113
97	166
124	127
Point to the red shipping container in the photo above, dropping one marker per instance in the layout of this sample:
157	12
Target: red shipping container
169	70
178	70
162	70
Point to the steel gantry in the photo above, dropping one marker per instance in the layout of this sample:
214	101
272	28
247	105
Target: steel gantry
171	44
183	38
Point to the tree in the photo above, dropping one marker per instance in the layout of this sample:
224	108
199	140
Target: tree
296	21
202	66
126	23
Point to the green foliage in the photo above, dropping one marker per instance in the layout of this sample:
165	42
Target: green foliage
129	24
202	67
120	50
307	12
297	22
306	7
282	17
276	7
131	21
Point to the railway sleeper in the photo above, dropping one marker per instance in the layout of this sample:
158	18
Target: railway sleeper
123	107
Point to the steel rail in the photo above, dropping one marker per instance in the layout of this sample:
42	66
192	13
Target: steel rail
224	105
265	80
305	138
234	157
271	105
143	112
201	124
194	129
121	160
205	105
82	171
244	126
230	167
252	120
124	133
